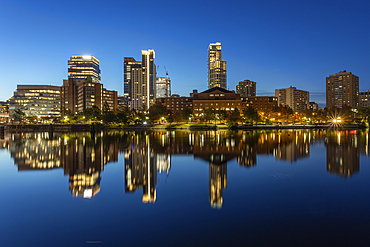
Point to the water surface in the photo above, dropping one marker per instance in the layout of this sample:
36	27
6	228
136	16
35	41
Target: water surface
183	188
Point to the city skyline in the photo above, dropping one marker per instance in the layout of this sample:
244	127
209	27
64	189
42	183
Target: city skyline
277	45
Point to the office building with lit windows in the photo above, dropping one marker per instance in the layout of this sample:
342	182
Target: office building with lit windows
140	80
83	90
342	89
364	99
79	95
246	88
4	111
83	66
163	87
216	67
40	100
296	99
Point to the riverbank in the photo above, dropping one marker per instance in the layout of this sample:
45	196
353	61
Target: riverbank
185	126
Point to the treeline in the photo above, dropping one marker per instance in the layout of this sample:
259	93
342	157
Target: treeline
158	113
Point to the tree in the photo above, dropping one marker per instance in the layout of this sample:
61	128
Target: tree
187	113
123	114
157	111
251	115
233	118
107	115
221	115
19	116
209	114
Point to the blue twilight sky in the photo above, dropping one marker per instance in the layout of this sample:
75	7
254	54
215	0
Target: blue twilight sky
275	43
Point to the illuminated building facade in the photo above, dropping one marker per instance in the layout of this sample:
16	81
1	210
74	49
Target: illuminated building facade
246	88
216	67
342	89
163	87
296	99
40	100
83	66
176	103
260	103
4	111
217	98
313	106
140	80
83	90
364	99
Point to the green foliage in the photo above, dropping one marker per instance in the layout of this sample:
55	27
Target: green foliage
251	115
157	111
19	116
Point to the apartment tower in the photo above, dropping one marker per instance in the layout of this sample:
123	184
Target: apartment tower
342	89
296	99
216	67
140	80
246	88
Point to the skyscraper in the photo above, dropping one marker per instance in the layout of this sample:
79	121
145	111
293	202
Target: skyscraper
342	89
83	89
246	88
83	66
296	99
216	67
163	87
140	80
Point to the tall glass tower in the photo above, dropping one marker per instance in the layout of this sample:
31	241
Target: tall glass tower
216	67
140	80
83	66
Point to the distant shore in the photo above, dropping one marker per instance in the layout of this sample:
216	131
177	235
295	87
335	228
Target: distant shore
187	126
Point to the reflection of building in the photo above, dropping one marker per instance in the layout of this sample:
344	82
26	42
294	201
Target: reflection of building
163	87
38	100
246	88
82	157
217	182
140	80
216	67
294	145
35	152
296	99
342	89
342	154
140	169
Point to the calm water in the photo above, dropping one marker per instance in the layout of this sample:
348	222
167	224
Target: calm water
180	188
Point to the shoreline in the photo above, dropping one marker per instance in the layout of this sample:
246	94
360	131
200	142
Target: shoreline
191	127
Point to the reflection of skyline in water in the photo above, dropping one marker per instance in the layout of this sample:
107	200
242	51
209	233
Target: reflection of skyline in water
82	156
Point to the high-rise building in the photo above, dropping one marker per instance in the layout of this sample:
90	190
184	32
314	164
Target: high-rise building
342	89
364	99
246	88
83	66
296	99
83	90
79	95
216	67
140	80
163	87
40	100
